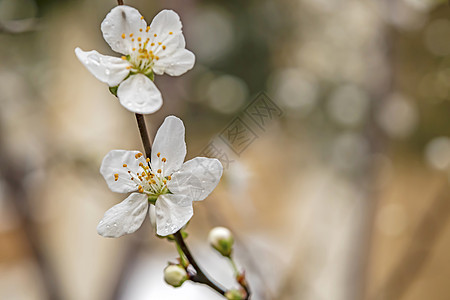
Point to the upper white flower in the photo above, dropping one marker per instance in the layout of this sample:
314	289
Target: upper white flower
162	180
158	48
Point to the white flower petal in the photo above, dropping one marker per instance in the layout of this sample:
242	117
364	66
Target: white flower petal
169	142
172	213
139	94
125	217
117	26
113	164
197	178
166	22
152	215
107	69
175	64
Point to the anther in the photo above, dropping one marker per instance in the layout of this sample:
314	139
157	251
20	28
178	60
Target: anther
147	160
155	35
159	153
141	164
131	34
123	35
124	165
156	57
159	171
164	159
139	39
124	57
169	177
140	29
134	49
159	43
116	177
152	44
132	39
171	32
142	18
164	47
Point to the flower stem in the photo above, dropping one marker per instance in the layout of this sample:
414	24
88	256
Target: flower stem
144	135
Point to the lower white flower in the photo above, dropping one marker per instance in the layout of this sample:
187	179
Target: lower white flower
162	180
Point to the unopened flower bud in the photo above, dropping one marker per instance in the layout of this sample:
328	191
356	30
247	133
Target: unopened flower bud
234	295
175	275
222	240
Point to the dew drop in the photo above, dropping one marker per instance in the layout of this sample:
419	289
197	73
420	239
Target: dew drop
107	226
115	224
107	72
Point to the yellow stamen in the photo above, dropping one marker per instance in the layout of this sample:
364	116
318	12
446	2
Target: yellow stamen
147	160
169	177
164	159
148	28
142	18
164	47
159	43
134	49
116	177
123	35
131	34
132	39
152	44
124	57
124	165
171	32
155	35
139	39
158	154
140	29
159	171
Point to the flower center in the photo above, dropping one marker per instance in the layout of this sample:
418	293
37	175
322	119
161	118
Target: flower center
149	181
143	52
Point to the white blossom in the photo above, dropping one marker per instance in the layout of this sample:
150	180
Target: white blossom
155	49
162	180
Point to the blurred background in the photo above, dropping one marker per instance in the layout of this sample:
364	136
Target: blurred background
342	195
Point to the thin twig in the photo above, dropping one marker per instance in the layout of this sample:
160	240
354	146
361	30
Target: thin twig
200	277
144	135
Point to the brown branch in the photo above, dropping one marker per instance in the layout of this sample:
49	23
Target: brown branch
200	276
144	135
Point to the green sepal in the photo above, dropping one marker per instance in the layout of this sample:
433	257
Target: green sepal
151	75
113	90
